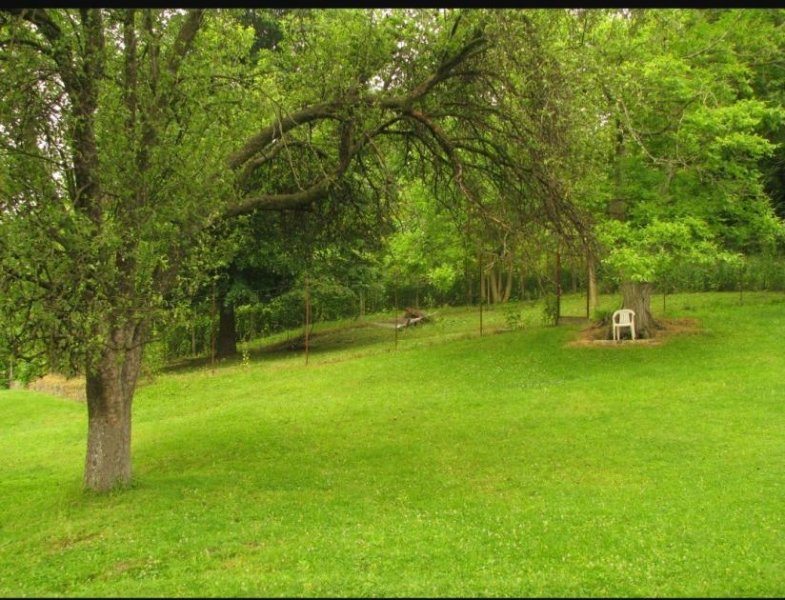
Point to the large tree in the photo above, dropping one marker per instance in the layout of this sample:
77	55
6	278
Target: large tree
116	135
96	248
685	137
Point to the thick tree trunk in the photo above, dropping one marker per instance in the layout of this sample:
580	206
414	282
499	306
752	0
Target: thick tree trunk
637	296
110	390
227	333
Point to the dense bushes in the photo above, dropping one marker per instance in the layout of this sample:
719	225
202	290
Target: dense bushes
329	300
23	371
756	273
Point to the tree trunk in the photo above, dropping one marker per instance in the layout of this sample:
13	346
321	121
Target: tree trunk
591	284
508	286
483	291
494	284
227	333
637	296
110	389
468	285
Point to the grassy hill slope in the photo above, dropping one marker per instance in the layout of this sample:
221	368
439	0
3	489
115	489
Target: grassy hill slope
511	464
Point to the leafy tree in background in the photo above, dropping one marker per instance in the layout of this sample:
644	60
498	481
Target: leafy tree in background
426	253
528	166
689	140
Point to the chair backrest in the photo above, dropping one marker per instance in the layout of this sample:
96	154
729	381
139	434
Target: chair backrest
624	316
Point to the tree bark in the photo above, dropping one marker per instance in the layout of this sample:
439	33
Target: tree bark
483	291
508	286
492	287
110	389
591	284
468	280
637	296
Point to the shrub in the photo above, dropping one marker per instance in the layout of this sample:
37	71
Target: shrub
513	317
550	310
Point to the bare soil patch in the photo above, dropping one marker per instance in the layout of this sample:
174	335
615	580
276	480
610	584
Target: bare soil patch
596	334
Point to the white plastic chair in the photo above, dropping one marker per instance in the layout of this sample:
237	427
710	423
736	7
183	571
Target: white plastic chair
623	318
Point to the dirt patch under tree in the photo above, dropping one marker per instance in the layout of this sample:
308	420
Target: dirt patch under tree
597	333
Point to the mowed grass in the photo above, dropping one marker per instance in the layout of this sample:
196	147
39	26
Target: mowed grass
506	465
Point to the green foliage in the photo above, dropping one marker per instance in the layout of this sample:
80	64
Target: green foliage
329	300
687	138
443	278
758	273
513	317
602	315
24	371
427	252
124	175
245	356
189	336
550	309
647	253
154	359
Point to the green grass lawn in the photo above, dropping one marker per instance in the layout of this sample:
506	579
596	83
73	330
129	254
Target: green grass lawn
454	465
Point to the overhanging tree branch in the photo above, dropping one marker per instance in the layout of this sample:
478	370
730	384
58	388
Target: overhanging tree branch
326	110
263	142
